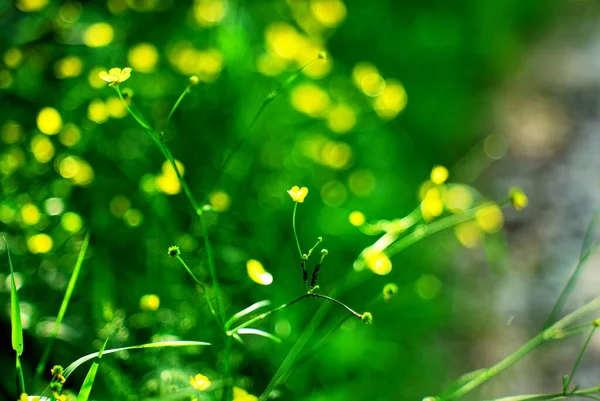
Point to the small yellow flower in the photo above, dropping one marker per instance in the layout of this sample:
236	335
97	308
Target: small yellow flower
24	397
298	194
200	382
115	76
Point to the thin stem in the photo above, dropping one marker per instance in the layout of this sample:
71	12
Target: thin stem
585	393
294	228
265	314
356	314
175	106
426	230
268	99
202	287
564	294
581	352
195	205
546	335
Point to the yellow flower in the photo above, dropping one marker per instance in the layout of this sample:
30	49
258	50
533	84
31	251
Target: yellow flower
200	382
298	194
23	397
115	76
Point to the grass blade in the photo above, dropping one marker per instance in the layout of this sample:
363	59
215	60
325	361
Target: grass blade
261	333
161	344
86	387
15	324
245	312
63	309
15	309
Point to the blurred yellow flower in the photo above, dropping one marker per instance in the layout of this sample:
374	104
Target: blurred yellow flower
115	76
298	194
239	394
439	174
200	382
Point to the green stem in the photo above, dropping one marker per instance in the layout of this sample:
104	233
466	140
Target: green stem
294	228
195	205
175	106
581	352
585	393
546	335
353	312
202	287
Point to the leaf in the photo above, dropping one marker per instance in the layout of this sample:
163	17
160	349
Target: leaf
15	309
261	333
245	312
161	344
86	387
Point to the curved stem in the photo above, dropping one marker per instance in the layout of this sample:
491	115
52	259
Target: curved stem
195	205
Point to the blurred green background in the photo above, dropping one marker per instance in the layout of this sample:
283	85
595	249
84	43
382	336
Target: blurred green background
405	86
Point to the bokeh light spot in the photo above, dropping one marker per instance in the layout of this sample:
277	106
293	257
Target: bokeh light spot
49	121
39	243
428	286
143	57
356	218
490	218
219	200
30	214
98	35
71	222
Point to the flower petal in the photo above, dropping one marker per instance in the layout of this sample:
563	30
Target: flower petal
105	76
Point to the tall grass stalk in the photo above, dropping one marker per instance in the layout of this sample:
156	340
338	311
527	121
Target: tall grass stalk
61	312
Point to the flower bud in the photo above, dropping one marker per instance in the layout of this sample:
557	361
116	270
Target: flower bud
173	251
193	81
367	317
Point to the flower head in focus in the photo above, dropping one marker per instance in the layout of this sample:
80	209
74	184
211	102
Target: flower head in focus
115	76
298	194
